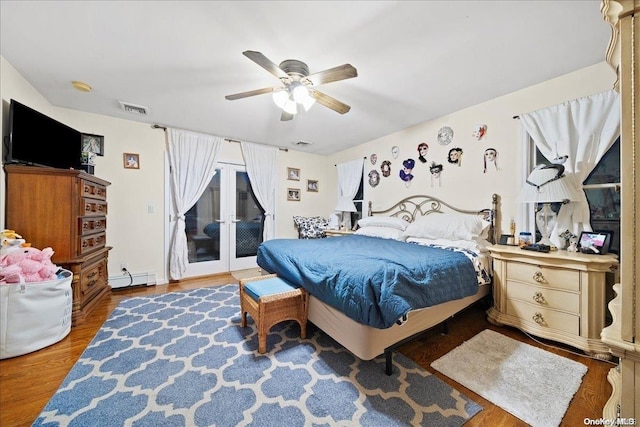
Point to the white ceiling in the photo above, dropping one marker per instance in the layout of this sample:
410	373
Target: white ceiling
416	60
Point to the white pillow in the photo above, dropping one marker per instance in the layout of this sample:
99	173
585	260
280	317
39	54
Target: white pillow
452	226
479	245
384	221
382	232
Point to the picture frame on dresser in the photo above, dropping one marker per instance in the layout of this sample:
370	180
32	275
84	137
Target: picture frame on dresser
93	143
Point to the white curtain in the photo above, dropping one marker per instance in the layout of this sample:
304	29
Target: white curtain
262	168
192	159
583	129
349	177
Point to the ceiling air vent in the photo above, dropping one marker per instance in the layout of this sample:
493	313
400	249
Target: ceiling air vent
133	108
302	143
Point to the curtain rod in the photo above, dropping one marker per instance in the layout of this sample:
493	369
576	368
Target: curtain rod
226	139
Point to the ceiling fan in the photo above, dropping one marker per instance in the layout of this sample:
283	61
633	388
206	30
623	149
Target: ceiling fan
298	86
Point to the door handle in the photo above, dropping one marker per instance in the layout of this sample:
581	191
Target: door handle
236	220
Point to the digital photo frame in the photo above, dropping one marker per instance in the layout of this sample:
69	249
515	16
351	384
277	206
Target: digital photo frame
595	242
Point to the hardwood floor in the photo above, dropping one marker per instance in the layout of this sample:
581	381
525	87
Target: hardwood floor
27	382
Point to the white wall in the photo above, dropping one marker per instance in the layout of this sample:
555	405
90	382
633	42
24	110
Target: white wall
467	186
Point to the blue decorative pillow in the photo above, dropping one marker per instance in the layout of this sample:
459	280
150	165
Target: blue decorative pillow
310	227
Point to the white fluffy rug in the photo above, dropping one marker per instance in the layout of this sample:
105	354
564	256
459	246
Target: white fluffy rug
532	384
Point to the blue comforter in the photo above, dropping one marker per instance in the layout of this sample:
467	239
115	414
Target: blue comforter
373	281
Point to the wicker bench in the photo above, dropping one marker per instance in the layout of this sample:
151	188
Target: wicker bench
270	300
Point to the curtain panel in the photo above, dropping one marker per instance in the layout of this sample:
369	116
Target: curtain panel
583	129
192	159
262	167
349	177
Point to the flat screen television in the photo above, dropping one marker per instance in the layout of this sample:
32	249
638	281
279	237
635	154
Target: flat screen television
38	140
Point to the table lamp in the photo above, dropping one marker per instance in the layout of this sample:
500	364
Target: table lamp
547	184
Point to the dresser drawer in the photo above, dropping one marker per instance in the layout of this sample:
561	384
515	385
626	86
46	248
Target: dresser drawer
91	225
544	276
93	277
93	190
544	317
544	297
92	242
92	207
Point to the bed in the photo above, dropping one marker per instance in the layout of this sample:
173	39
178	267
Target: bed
398	278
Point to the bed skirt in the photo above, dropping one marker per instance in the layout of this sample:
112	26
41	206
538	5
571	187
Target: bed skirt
367	342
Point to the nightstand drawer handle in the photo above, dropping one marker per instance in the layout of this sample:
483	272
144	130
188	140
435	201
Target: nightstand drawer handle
538	277
539	298
537	317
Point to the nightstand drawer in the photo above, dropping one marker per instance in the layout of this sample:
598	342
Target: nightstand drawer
543	297
544	276
543	317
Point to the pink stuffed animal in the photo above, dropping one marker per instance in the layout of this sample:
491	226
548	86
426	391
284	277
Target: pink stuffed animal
27	265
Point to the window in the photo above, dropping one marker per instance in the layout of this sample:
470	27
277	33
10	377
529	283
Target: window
602	189
358	201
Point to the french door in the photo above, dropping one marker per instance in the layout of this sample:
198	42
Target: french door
224	228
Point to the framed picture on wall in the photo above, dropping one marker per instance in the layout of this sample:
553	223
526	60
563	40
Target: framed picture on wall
293	194
312	185
93	144
293	174
131	161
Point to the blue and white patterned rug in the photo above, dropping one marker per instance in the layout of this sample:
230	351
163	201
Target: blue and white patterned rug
182	359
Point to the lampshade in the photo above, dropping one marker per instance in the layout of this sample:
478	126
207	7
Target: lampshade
280	97
345	204
300	94
308	102
547	185
290	106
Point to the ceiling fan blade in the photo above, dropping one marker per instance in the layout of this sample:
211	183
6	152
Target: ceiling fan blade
329	102
250	93
286	116
341	72
266	63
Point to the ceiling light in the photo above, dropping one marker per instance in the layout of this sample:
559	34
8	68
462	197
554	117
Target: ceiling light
290	106
300	94
307	103
280	97
81	86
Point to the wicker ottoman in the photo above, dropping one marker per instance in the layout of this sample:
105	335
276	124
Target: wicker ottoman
270	300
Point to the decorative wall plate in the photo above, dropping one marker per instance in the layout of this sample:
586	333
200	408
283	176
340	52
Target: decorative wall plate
395	151
445	135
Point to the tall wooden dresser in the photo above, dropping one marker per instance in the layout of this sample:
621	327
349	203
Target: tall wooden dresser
66	210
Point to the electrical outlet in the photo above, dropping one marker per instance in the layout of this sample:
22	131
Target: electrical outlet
123	266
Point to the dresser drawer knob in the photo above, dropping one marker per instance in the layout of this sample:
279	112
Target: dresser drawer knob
537	317
538	277
539	298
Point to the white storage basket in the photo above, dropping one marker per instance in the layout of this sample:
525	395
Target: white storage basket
34	315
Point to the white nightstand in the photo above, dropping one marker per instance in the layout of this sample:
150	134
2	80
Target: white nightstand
334	233
557	295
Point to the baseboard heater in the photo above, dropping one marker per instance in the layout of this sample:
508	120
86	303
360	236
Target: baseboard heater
138	279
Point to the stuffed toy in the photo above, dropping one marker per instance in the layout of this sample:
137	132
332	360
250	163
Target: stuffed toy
11	241
27	265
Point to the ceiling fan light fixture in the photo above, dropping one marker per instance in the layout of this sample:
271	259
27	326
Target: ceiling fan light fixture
300	94
290	107
307	103
280	97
